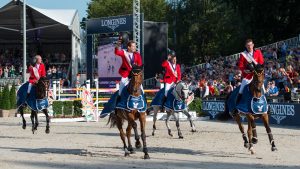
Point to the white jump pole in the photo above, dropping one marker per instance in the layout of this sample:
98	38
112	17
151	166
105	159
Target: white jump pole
97	99
54	89
59	89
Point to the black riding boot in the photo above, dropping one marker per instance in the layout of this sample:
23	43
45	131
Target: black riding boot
238	99
163	103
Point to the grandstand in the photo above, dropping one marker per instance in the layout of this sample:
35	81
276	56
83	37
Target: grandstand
218	77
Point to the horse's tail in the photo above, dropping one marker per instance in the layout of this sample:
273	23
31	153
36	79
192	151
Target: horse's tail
112	120
224	116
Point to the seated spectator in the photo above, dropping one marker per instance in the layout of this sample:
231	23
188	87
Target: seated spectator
272	89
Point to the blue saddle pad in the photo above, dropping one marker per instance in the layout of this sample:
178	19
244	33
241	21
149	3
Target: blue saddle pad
110	106
157	100
129	102
259	105
32	102
174	104
247	104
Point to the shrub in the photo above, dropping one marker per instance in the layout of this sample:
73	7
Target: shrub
5	98
12	97
196	105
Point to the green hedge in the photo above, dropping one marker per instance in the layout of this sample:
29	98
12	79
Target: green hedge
6	98
13	97
67	108
196	105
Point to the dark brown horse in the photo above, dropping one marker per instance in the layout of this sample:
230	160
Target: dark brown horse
256	89
42	88
120	115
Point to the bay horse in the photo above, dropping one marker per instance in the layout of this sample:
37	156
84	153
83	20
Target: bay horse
38	92
180	92
257	92
120	115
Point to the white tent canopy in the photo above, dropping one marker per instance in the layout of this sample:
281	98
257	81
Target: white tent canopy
43	26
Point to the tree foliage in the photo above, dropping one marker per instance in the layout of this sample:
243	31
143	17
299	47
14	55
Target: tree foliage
212	27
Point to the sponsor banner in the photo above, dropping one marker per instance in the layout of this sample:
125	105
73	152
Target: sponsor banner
110	24
279	113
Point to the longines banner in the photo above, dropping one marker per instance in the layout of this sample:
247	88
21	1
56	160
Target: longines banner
280	113
110	24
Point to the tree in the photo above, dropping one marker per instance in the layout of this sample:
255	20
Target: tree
154	10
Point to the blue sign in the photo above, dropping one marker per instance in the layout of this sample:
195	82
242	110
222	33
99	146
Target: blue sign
280	113
110	24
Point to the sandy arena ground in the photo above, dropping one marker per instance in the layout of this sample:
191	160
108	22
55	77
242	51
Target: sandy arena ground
84	145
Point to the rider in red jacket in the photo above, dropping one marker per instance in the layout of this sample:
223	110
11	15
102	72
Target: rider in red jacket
129	58
172	74
248	59
35	72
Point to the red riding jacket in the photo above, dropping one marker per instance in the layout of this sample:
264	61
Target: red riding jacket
127	63
242	64
171	74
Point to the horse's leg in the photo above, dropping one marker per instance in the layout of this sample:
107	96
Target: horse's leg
265	119
254	138
136	135
155	110
32	121
142	119
185	111
237	118
167	123
128	135
176	116
21	110
250	118
122	135
36	120
47	120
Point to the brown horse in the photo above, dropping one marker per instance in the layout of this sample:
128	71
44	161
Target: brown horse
256	89
120	115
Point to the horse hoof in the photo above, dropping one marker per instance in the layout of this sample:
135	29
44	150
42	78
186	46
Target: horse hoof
24	127
153	134
180	137
274	149
194	130
246	145
47	131
126	154
252	150
170	134
254	140
146	156
138	145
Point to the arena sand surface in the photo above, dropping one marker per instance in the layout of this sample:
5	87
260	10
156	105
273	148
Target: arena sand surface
84	145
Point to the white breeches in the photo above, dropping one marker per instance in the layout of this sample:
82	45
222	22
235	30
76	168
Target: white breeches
29	87
168	87
124	82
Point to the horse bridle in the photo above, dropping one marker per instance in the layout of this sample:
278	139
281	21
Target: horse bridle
46	86
258	74
182	89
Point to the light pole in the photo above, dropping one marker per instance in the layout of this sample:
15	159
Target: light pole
24	41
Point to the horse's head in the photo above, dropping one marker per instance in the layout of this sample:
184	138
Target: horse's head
136	80
181	91
258	78
42	87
